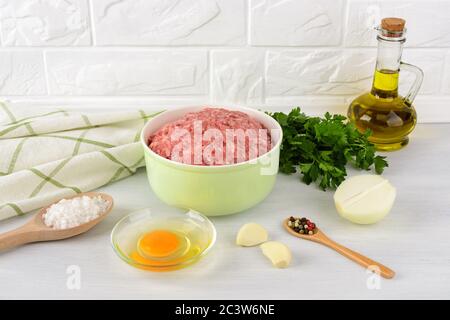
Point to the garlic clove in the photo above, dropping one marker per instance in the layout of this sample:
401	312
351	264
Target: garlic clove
251	234
278	253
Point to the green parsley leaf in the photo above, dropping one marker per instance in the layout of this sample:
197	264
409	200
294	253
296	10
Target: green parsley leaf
320	148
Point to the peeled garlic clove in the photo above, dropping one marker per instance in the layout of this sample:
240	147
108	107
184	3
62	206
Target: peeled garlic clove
364	199
278	253
251	234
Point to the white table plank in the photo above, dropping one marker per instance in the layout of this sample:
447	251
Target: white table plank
414	240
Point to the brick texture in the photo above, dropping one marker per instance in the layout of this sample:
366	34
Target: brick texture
262	53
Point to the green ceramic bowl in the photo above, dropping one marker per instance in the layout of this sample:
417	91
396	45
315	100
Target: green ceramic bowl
212	190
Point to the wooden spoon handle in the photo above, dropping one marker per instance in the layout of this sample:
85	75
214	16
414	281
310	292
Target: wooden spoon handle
360	259
17	237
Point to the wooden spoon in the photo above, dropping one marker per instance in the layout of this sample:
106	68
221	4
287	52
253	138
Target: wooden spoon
36	230
321	238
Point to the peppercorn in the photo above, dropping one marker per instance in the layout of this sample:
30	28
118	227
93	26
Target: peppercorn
302	225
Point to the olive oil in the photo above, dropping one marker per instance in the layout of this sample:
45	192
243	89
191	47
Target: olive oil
389	116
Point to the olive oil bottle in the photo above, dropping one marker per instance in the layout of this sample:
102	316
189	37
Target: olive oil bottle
388	115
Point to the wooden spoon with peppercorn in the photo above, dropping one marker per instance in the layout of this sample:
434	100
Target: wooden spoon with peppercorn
306	229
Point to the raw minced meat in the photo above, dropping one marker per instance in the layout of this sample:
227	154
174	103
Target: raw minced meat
212	136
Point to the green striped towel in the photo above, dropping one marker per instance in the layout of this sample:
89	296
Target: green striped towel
47	154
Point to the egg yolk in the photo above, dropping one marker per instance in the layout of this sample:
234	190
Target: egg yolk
159	243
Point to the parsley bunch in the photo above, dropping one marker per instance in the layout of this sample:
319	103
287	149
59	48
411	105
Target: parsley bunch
321	148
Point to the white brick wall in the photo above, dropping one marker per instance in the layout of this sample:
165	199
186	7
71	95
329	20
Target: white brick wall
106	72
317	54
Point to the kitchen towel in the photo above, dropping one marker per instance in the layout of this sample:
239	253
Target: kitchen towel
47	154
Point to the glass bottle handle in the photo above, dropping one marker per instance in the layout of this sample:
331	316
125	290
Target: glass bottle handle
411	95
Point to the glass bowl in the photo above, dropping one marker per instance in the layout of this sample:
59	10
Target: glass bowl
162	241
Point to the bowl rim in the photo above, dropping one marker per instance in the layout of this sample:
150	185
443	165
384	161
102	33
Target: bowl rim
175	266
214	167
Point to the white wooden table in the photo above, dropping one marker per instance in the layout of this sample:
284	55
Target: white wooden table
414	240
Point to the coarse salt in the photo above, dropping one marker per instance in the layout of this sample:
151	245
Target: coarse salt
69	213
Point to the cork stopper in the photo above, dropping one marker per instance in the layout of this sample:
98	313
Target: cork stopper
393	27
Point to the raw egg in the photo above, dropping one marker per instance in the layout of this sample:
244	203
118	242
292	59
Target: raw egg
158	243
162	241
